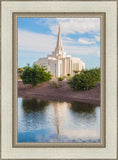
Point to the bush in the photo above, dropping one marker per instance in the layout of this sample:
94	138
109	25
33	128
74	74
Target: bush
34	75
54	84
68	74
60	79
85	80
95	73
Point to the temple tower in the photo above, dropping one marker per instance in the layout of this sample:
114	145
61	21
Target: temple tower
59	63
59	51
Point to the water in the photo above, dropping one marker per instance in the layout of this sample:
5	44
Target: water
54	121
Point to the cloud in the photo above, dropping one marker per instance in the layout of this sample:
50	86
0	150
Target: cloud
36	42
42	43
97	38
82	50
76	25
86	41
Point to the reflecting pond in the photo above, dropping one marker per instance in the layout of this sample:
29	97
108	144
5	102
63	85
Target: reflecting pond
54	121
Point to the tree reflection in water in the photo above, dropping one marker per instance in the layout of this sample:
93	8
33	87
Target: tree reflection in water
34	105
80	107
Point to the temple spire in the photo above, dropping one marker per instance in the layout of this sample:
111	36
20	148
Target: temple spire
59	52
59	46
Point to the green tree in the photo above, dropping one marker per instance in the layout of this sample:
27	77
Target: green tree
85	80
34	75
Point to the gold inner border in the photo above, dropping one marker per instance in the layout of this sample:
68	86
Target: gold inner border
102	17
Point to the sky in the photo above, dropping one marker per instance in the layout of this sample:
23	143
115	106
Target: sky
37	38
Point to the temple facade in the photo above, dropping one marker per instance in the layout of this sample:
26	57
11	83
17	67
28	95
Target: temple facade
59	63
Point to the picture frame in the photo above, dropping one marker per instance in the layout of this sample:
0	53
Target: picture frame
15	49
107	11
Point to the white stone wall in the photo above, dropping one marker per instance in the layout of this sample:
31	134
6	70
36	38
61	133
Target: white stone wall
80	66
51	66
61	67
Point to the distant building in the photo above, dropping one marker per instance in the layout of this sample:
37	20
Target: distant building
59	63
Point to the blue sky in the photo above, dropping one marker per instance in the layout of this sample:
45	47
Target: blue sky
80	38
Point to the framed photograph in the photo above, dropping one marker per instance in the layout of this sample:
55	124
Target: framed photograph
48	84
59	80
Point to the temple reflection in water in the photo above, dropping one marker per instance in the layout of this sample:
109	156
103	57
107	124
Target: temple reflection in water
53	121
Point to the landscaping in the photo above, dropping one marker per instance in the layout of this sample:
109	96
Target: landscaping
34	75
85	80
86	84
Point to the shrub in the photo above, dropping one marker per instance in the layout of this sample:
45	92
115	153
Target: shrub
95	73
68	74
34	75
85	80
60	79
54	84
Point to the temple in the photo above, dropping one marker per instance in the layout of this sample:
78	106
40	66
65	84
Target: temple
59	63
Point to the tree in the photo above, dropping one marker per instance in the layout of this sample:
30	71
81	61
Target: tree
85	80
34	75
